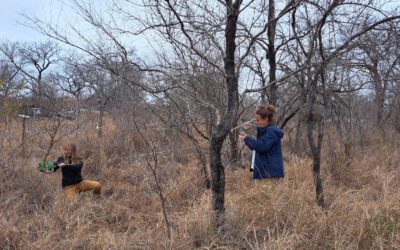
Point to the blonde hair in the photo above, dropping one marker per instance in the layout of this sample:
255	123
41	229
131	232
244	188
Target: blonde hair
74	153
267	112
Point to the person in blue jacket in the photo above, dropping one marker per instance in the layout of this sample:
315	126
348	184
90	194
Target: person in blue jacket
268	162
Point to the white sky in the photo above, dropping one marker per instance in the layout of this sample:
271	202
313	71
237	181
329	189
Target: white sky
11	20
10	17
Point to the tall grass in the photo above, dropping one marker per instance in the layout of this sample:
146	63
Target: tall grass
363	204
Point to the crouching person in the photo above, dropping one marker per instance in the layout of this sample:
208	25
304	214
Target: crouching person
71	167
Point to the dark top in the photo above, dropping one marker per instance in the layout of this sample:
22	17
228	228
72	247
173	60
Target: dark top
71	173
268	162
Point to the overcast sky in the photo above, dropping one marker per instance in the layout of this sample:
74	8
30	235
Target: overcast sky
11	27
10	17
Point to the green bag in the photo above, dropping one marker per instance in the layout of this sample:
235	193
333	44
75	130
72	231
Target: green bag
46	167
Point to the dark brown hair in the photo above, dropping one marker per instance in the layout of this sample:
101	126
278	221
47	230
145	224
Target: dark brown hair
74	156
266	112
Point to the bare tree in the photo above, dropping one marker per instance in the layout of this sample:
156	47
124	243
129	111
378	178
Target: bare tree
203	22
33	61
152	163
9	85
380	57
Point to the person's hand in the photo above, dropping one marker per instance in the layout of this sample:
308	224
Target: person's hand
61	164
242	135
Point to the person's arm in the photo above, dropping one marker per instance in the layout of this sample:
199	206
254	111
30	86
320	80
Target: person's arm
248	145
264	144
56	164
76	167
244	135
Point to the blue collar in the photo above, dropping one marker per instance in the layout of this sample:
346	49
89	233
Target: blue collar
261	130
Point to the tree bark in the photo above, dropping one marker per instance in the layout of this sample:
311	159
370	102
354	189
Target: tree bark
223	128
233	146
203	162
23	137
101	119
271	52
315	148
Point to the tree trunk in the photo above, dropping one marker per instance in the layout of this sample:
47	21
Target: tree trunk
217	173
314	119
316	154
101	118
210	122
223	128
233	146
203	162
23	137
296	145
39	97
379	98
263	91
397	116
271	52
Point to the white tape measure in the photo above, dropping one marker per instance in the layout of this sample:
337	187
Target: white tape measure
253	157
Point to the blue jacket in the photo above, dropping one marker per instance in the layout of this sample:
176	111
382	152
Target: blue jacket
268	162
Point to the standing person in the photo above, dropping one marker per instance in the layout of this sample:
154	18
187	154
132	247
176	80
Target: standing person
71	167
268	162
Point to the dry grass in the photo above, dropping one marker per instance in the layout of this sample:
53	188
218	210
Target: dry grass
363	205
